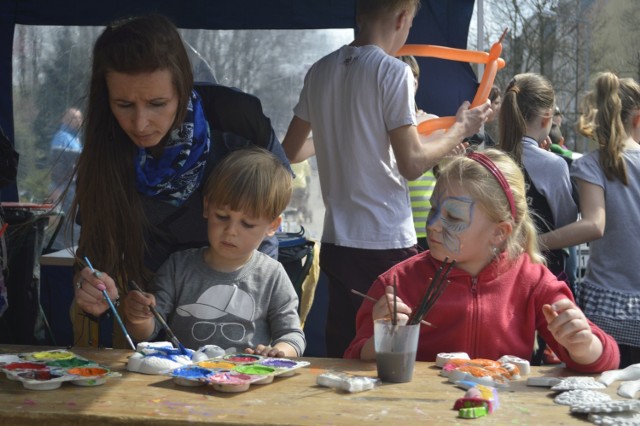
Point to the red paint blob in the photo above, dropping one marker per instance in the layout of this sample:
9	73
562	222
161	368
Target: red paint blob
24	366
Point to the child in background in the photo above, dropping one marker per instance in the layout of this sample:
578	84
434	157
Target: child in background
608	181
486	138
420	189
525	121
228	294
557	147
557	144
500	292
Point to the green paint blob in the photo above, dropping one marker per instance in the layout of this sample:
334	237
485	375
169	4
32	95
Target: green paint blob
69	363
256	370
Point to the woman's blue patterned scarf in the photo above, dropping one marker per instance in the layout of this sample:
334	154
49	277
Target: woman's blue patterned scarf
178	173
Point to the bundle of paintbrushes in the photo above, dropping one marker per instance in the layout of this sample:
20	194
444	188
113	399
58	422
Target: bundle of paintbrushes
434	291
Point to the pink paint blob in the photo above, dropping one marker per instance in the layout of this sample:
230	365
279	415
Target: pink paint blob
230	379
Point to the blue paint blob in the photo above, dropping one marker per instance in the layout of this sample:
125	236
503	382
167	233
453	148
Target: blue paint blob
171	354
192	372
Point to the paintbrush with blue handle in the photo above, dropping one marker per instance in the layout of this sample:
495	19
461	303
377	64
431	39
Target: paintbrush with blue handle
172	337
113	308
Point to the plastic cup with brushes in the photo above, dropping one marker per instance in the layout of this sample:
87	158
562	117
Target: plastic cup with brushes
396	343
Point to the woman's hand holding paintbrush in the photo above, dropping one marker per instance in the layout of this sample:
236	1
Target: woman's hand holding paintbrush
89	291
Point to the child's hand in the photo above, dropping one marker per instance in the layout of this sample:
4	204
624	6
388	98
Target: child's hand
545	144
263	350
570	328
88	291
136	306
384	307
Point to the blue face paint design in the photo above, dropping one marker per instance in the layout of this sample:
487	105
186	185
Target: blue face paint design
455	214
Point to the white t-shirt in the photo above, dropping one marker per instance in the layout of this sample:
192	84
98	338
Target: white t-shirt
353	97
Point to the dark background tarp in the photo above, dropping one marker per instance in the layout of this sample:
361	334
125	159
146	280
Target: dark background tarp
443	86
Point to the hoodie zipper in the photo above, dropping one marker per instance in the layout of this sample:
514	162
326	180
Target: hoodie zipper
474	317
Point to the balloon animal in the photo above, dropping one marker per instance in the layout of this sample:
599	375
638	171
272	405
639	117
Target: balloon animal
492	62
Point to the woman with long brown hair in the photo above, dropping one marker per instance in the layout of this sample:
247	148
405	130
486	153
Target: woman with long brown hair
151	139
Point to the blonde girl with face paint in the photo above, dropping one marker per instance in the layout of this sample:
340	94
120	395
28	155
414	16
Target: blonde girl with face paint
500	292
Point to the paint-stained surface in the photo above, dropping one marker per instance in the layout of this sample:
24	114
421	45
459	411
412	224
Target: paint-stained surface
138	399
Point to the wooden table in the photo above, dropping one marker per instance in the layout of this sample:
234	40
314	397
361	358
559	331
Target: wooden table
137	399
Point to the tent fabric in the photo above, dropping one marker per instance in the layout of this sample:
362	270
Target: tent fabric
204	14
444	84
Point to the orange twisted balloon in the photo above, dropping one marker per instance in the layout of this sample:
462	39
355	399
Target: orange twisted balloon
492	60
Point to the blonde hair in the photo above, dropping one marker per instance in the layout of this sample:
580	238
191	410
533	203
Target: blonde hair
525	98
607	111
483	186
413	64
250	180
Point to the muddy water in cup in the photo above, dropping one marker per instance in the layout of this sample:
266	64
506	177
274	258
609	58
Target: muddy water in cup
395	347
395	366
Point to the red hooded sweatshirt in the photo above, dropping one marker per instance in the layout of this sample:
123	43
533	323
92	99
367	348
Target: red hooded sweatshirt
488	316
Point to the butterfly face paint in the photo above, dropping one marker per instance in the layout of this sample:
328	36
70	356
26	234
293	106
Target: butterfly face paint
459	228
451	216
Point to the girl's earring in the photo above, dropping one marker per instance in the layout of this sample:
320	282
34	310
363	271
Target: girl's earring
494	251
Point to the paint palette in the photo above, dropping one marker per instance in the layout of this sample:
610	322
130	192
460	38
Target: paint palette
47	370
235	372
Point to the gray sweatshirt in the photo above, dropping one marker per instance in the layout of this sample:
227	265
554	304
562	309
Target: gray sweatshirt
254	305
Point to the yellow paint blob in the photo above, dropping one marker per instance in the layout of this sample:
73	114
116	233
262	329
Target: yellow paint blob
216	364
52	355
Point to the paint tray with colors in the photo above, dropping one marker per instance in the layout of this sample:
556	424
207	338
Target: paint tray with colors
235	372
47	370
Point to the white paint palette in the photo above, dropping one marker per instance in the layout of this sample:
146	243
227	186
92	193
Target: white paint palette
47	370
235	372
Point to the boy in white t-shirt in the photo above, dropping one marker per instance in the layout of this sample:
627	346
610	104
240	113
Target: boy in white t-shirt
359	101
